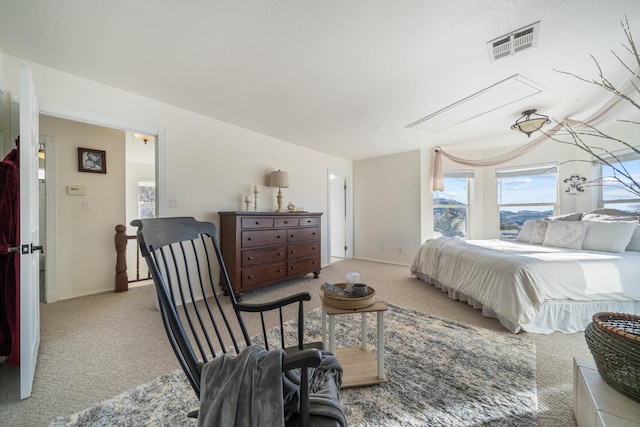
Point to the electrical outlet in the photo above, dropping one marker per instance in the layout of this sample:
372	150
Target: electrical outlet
382	247
173	203
401	249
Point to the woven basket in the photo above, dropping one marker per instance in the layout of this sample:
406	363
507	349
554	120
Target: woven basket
614	341
348	303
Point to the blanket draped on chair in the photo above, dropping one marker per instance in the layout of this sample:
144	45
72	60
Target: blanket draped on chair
249	389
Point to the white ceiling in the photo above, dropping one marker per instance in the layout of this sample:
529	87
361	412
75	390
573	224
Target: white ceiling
338	76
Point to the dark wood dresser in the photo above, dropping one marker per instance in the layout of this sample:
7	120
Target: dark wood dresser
261	248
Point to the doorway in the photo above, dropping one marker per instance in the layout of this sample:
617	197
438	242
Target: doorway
53	292
340	218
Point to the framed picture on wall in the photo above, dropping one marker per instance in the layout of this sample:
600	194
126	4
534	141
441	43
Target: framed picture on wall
90	160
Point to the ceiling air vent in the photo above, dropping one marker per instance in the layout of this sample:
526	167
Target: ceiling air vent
516	41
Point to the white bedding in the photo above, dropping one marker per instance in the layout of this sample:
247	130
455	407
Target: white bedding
532	287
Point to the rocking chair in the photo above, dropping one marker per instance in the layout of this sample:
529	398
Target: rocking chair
181	254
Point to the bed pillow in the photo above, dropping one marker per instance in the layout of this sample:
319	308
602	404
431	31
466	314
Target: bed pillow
525	233
539	231
634	243
608	236
565	234
574	216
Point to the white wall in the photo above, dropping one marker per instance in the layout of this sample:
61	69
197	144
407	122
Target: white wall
211	164
387	200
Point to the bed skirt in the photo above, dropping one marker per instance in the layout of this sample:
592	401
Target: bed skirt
566	316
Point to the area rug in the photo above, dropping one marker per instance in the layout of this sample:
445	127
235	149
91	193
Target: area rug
441	373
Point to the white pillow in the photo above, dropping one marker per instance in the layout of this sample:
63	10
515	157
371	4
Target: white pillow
565	234
634	243
539	231
608	236
525	233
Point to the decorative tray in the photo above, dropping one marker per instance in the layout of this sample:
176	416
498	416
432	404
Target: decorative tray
347	302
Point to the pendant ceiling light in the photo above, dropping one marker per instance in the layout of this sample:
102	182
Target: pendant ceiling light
527	124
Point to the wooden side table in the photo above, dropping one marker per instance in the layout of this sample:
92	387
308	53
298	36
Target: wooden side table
360	366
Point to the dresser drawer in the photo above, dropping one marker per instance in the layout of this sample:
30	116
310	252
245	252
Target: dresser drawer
303	235
285	222
254	277
309	221
248	223
303	266
270	255
303	250
251	239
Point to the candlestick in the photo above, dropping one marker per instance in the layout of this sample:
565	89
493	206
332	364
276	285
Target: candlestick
247	201
255	193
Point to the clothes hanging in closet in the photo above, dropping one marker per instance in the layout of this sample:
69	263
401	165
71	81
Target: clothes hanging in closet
10	261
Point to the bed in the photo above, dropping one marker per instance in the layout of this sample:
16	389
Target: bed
555	284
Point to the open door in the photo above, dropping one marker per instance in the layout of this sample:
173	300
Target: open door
29	233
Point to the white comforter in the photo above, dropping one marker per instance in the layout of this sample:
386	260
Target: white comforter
514	279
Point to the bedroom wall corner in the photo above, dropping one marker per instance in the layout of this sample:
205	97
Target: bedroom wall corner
387	193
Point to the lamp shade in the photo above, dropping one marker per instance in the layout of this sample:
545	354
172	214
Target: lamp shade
279	179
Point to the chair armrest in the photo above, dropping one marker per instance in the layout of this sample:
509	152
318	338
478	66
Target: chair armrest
253	308
308	358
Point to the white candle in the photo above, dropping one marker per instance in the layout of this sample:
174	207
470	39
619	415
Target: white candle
255	188
246	198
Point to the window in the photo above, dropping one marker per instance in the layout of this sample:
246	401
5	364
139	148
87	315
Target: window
146	199
525	192
451	206
613	193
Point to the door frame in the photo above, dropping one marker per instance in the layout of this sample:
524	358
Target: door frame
347	176
91	117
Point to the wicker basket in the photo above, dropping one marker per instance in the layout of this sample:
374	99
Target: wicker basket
348	303
614	341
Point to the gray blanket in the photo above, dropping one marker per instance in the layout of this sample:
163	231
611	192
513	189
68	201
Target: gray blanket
250	389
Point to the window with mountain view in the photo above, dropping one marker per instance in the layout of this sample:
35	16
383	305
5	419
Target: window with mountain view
525	192
613	193
451	206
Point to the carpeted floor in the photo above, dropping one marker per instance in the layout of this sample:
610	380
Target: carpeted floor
96	347
441	373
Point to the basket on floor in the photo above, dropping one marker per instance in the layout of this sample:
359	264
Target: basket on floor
614	341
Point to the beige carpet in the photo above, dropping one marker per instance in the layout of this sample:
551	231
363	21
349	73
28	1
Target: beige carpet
96	347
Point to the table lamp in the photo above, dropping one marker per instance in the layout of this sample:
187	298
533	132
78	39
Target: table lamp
279	179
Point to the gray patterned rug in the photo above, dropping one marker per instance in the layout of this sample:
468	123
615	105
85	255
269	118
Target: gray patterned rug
441	373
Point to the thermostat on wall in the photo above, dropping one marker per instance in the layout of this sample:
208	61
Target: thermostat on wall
76	190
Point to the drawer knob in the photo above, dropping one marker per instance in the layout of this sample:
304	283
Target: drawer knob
286	222
250	258
293	267
293	234
313	248
313	234
293	251
279	270
257	222
278	236
250	277
279	253
249	238
314	262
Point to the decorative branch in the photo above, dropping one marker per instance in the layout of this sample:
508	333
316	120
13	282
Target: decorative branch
624	179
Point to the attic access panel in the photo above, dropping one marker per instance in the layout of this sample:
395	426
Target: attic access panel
498	95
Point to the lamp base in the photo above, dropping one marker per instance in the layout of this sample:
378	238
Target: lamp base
279	198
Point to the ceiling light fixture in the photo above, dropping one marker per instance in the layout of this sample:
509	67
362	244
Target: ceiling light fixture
143	137
527	124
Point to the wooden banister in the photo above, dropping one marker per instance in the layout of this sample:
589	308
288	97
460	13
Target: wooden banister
121	238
